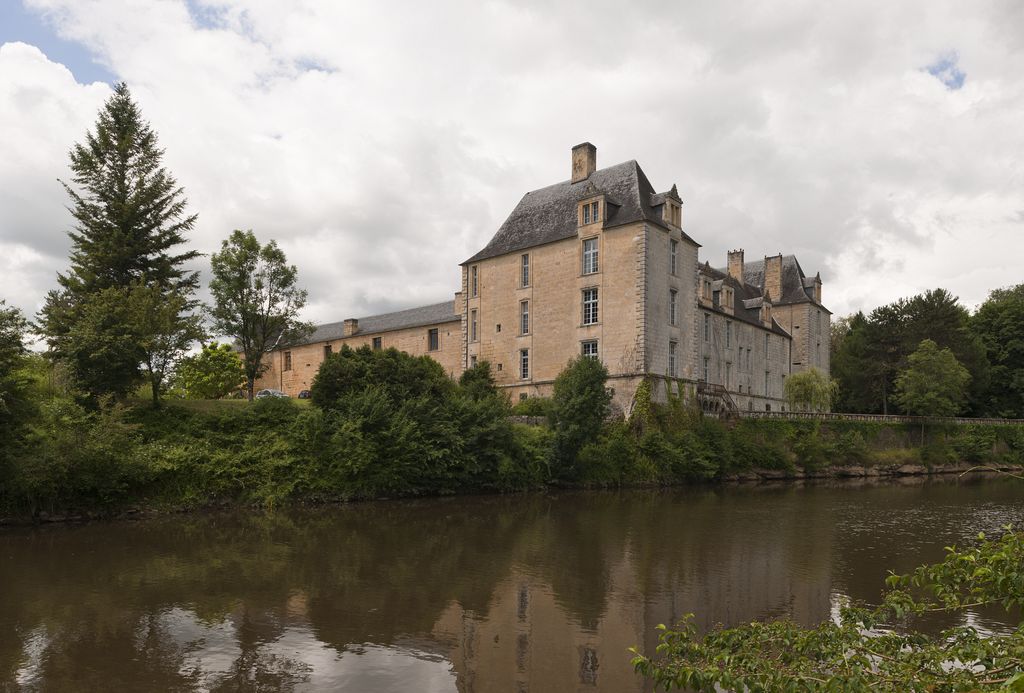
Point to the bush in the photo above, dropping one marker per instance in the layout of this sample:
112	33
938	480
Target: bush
580	404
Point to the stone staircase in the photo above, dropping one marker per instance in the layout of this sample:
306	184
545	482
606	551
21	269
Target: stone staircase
714	400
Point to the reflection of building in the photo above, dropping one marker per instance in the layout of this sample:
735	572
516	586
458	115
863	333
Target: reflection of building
599	265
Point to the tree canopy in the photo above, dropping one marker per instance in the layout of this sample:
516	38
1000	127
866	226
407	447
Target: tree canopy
999	323
256	300
810	390
130	221
215	372
933	383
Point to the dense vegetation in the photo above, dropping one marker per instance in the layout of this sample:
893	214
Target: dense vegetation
867	649
871	353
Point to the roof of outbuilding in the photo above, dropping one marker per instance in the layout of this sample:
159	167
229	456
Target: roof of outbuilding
402	319
549	214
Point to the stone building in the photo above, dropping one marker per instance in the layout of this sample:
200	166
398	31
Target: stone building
599	265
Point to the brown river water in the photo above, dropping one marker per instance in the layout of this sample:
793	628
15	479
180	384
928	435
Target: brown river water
539	593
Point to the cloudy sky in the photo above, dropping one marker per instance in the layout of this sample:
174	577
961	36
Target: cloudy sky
383	143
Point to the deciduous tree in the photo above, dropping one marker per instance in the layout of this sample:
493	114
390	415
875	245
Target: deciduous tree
214	372
933	383
256	300
999	324
810	390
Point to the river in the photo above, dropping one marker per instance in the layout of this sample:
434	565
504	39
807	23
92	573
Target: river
518	593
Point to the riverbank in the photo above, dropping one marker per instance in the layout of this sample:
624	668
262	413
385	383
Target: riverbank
136	461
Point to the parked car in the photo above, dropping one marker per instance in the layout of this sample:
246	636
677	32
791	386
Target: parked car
305	394
263	394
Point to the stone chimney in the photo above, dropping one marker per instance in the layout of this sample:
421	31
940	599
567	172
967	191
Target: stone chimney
736	265
817	287
584	161
349	327
773	277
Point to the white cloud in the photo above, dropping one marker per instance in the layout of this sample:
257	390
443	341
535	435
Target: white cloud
383	144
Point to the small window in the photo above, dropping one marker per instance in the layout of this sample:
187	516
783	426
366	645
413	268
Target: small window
524	363
728	334
377	343
590	306
595	213
472	325
673	257
473	280
327	350
525	274
499	366
497	328
589	348
287	360
672	370
590	256
672	300
472	361
707	327
433	339
524	317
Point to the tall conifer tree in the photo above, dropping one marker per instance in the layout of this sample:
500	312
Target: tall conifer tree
130	221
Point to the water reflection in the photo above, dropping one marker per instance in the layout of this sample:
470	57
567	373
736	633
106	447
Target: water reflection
526	593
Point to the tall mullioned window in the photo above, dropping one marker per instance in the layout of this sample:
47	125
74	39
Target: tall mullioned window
728	334
524	317
524	363
707	327
766	348
377	345
472	325
673	296
590	256
595	212
433	339
590	306
586	214
525	274
589	348
287	361
327	350
473	280
672	366
705	378
673	257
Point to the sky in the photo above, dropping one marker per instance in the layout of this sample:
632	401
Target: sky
381	144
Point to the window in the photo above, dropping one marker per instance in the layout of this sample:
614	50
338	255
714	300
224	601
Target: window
524	317
766	347
590	306
766	383
473	280
523	396
672	296
673	257
526	270
589	348
433	339
750	363
497	328
586	214
728	334
472	361
595	214
705	378
287	360
327	350
472	325
707	327
524	363
590	256
728	374
672	359
376	343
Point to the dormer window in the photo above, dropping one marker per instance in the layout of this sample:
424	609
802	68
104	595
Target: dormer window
673	214
590	213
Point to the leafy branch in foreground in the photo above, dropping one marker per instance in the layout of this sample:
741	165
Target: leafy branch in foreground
867	649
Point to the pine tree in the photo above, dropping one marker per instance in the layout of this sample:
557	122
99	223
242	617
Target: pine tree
130	221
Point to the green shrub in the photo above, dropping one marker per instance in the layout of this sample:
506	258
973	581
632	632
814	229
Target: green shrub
580	405
533	406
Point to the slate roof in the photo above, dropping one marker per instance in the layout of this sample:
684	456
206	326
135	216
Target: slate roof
402	319
796	286
549	214
747	299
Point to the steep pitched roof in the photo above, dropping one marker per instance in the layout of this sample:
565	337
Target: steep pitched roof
549	214
747	299
402	319
796	286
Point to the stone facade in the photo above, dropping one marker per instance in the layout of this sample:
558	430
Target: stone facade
600	265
